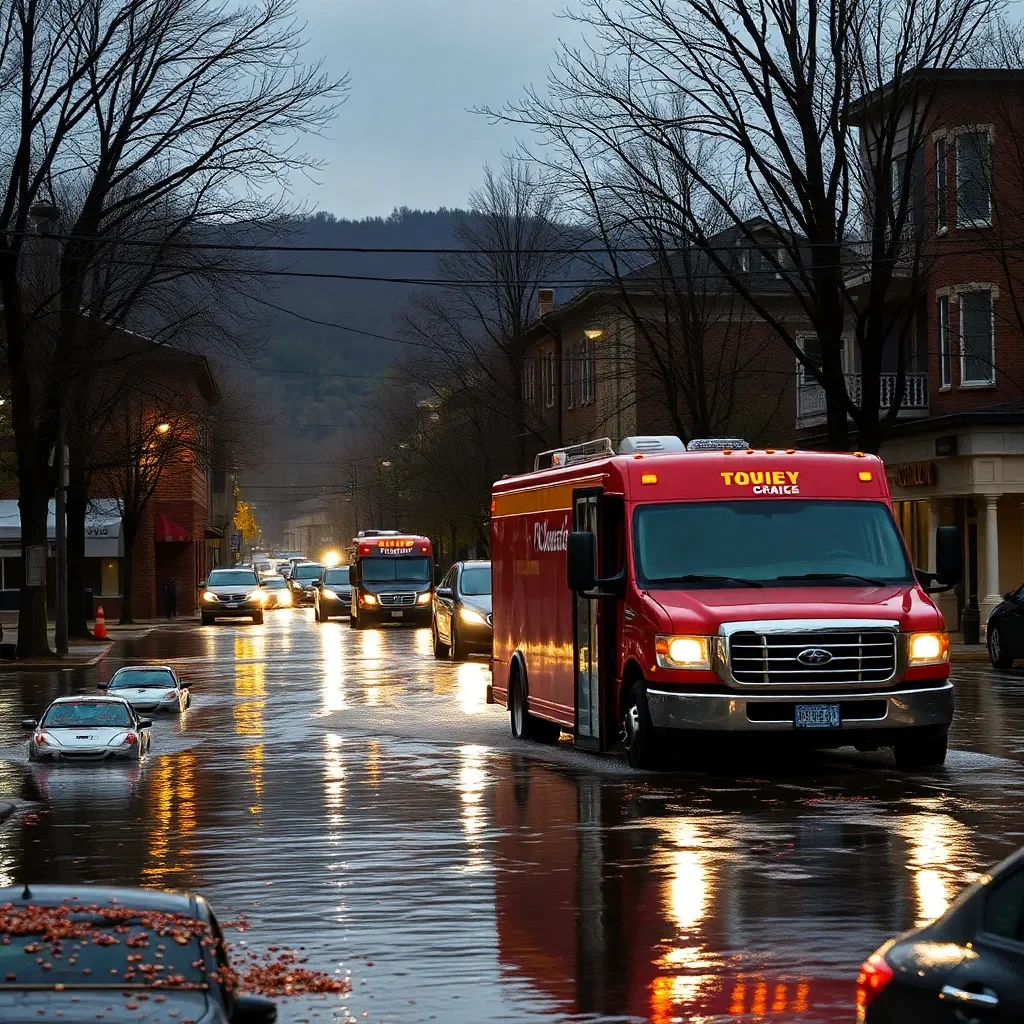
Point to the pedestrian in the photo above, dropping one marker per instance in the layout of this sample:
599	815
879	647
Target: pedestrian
170	597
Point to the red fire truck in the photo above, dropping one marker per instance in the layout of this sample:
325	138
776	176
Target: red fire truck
392	578
666	590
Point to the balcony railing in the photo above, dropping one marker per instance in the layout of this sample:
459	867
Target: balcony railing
810	396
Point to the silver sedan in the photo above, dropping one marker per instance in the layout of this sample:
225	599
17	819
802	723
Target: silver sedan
88	729
150	688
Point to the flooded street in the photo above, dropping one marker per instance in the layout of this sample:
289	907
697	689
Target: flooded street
350	795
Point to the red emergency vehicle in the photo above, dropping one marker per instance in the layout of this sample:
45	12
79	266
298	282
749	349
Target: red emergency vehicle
665	590
392	578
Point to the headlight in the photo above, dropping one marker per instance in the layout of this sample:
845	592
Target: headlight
329	594
284	597
258	595
368	599
683	651
468	615
209	595
423	598
928	649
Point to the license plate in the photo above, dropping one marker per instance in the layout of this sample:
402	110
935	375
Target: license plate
231	604
397	615
817	716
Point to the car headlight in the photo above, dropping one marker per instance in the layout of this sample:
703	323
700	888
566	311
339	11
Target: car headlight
928	649
329	594
367	599
471	616
423	598
284	597
258	595
209	595
683	651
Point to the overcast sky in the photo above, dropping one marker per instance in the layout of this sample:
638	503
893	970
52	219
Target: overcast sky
405	136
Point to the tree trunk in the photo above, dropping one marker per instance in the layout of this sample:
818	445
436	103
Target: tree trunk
77	501
32	503
129	531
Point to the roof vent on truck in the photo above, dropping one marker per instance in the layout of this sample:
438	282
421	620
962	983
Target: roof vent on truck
716	444
650	444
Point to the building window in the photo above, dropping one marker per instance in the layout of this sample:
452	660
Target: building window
12	574
945	355
977	338
547	379
941	194
530	384
570	375
589	368
973	179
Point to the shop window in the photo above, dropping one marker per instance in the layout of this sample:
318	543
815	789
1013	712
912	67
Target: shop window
13	573
977	338
110	577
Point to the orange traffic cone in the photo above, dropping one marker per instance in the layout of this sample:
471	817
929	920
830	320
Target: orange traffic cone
100	629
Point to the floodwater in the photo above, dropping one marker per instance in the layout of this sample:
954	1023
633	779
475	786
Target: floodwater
352	796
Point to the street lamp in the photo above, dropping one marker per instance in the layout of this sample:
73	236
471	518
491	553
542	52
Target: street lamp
593	333
162	428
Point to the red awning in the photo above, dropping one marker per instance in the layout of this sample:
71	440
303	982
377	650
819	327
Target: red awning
168	531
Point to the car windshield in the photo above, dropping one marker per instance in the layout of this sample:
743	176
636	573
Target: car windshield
87	947
141	677
337	577
384	570
307	572
82	714
760	543
476	582
274	583
232	578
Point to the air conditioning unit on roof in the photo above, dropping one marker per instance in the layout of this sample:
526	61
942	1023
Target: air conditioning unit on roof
650	444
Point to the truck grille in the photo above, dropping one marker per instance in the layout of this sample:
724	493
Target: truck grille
232	597
396	600
854	656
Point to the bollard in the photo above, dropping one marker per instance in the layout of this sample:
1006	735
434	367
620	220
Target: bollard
970	622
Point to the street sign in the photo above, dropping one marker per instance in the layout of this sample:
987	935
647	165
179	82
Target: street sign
236	541
35	565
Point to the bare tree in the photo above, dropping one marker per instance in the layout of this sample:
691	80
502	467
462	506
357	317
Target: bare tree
146	102
821	113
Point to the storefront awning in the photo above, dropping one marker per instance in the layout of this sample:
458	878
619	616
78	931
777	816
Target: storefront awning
102	528
170	532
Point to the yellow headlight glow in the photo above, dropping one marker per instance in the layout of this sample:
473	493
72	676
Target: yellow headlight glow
368	599
209	596
683	651
469	615
423	598
928	648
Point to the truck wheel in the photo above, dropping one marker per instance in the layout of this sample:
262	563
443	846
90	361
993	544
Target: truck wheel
998	654
524	725
440	649
921	753
641	742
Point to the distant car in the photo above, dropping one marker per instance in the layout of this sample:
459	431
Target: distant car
333	596
264	566
88	729
461	621
1006	630
303	581
232	593
276	592
149	688
118	932
966	966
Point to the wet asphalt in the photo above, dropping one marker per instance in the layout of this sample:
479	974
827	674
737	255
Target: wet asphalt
352	796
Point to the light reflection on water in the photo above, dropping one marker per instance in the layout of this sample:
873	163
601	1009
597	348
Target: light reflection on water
941	855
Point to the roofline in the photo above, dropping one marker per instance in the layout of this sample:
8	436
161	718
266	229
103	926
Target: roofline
940	76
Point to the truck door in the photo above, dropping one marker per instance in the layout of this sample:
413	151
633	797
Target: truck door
586	641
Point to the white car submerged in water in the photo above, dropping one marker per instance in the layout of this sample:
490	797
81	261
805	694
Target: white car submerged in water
149	688
88	729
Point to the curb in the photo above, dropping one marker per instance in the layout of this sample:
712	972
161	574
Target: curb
49	664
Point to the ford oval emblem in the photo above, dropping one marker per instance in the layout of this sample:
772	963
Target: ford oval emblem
814	656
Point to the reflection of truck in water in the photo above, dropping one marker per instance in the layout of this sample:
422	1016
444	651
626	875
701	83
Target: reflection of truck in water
612	905
392	579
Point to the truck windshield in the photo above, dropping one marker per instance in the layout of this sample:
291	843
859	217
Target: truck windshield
764	543
383	570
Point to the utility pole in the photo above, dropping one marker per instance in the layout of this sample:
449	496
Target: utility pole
60	636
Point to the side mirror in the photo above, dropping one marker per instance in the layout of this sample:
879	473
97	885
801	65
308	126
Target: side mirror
201	584
145	723
443	591
580	554
253	1010
949	556
28	723
184	686
102	686
354	573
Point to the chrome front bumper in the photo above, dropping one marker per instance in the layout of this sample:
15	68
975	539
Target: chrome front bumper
728	712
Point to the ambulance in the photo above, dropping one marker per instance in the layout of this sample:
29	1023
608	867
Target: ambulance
663	592
392	579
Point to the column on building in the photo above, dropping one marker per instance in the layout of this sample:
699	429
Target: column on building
993	595
941	512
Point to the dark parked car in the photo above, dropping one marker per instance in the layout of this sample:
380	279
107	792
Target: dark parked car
303	582
966	966
461	622
81	986
333	596
1006	630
